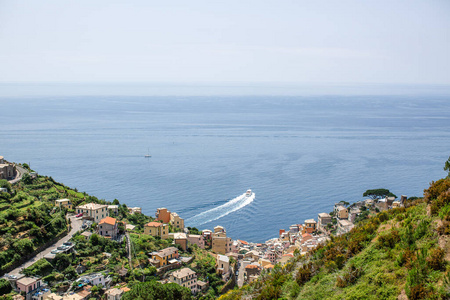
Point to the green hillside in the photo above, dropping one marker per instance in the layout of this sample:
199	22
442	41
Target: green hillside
402	253
28	217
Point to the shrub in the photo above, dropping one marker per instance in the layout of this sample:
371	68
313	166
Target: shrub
42	268
304	274
418	292
389	240
349	277
155	290
23	247
421	230
436	259
5	287
436	189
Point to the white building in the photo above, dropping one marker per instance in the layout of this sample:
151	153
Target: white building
222	264
93	211
113	209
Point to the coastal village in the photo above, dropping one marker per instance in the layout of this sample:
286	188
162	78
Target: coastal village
106	233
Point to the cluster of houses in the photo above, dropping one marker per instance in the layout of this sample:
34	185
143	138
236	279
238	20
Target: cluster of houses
251	258
33	288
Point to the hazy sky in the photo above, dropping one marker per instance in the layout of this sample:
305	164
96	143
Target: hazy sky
225	41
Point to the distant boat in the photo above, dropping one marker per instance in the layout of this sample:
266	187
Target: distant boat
148	154
248	193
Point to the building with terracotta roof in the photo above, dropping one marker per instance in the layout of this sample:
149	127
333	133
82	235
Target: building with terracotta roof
93	211
157	229
85	293
108	227
243	242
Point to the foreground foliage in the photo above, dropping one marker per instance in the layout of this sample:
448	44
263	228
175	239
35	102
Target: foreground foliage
154	290
398	251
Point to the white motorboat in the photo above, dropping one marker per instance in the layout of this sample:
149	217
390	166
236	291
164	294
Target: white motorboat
248	193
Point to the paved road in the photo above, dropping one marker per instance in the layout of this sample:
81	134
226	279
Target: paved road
20	172
240	281
127	236
76	225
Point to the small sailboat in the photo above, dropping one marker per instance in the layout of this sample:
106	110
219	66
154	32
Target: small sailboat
148	154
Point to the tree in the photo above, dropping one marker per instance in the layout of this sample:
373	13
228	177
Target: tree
26	178
153	290
194	230
5	184
378	193
5	286
447	167
116	202
62	261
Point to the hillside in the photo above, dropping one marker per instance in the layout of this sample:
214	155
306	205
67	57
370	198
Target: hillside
398	254
29	218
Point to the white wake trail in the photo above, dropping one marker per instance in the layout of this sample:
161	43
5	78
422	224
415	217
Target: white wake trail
222	210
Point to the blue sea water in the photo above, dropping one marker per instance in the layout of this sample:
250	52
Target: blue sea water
299	155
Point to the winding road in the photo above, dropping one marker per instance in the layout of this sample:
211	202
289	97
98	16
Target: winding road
20	171
76	225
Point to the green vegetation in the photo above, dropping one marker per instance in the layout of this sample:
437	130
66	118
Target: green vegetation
204	266
378	193
40	268
154	290
5	287
27	218
401	251
194	230
447	166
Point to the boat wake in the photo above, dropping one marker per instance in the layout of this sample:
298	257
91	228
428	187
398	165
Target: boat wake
222	210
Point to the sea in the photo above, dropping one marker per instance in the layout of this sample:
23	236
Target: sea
298	154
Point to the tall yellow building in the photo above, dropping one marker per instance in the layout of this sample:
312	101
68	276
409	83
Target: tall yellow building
157	229
221	244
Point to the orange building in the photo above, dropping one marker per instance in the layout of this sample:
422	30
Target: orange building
162	214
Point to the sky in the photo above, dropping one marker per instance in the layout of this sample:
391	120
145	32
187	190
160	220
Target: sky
285	42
